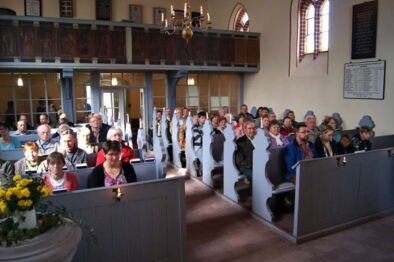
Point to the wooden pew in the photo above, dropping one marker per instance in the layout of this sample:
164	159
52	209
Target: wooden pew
26	138
231	173
146	224
207	159
158	148
268	175
144	171
164	137
189	151
332	194
176	148
12	155
212	169
380	142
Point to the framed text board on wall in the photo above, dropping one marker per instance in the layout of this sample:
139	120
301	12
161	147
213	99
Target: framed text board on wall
365	80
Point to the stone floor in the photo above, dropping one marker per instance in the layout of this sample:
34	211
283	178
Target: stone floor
218	230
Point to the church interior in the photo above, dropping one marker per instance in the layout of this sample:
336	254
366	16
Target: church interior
253	130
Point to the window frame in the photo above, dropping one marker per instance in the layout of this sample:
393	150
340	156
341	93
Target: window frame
302	44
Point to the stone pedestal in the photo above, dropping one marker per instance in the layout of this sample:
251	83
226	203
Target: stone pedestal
57	244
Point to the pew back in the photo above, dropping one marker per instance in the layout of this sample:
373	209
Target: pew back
380	142
276	166
26	138
339	195
12	155
147	224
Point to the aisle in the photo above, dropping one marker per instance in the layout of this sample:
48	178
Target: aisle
220	231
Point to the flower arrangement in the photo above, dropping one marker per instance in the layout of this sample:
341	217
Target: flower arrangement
22	194
18	200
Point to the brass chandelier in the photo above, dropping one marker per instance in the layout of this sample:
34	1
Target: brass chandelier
186	23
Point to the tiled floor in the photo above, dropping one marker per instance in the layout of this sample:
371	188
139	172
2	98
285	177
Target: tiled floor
220	231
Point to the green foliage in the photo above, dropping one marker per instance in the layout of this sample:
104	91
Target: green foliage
10	233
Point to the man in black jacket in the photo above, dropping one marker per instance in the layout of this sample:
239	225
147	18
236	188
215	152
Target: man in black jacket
361	141
98	130
245	147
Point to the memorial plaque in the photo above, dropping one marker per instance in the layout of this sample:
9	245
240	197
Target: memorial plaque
364	80
365	17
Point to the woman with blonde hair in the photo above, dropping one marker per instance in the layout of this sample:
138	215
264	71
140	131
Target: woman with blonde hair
115	133
83	136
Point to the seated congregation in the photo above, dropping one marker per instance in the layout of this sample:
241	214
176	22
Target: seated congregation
298	141
57	156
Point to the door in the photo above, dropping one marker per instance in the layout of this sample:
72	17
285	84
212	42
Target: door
113	102
122	104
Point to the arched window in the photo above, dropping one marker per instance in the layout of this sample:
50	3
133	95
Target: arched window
325	26
240	18
313	27
310	30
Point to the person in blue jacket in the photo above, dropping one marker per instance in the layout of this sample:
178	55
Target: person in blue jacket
299	149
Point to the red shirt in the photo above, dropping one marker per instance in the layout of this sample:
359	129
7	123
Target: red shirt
70	184
287	131
126	155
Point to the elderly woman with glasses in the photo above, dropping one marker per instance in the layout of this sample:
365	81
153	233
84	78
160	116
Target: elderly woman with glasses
83	136
116	134
112	171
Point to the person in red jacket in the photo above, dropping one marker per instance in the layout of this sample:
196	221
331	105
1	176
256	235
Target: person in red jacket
116	134
57	179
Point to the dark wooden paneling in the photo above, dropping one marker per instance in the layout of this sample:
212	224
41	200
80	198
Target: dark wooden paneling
118	45
66	43
253	51
212	47
198	48
8	42
239	50
155	45
139	43
47	42
226	45
85	43
102	44
28	41
168	48
183	50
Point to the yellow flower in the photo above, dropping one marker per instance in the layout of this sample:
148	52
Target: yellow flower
39	188
21	203
25	192
28	203
3	206
46	191
25	182
8	194
2	192
17	177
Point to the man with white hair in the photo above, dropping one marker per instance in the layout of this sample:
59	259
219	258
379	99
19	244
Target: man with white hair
98	129
72	154
21	129
46	146
313	131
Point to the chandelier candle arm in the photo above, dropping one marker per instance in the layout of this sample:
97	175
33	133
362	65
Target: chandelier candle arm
187	23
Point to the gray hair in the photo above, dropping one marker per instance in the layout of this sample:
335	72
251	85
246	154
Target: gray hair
114	130
40	127
83	131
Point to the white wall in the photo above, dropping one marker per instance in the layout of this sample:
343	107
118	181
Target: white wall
309	87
